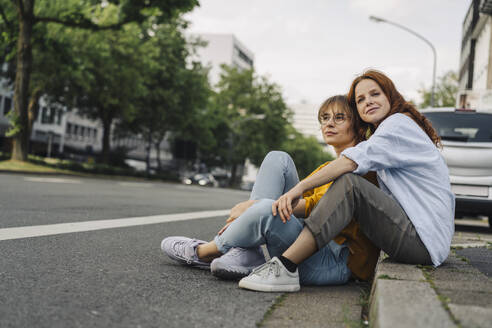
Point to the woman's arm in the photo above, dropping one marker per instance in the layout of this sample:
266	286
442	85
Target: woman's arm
299	210
239	209
284	205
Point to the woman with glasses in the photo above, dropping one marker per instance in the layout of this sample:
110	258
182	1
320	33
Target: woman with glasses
235	251
411	217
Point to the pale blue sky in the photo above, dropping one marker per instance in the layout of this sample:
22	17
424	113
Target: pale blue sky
314	48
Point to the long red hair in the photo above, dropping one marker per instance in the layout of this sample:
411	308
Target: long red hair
398	104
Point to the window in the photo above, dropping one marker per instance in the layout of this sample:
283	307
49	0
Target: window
7	105
69	128
243	56
48	115
44	115
52	116
456	126
59	115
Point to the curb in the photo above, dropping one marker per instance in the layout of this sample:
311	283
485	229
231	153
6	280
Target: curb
401	296
40	173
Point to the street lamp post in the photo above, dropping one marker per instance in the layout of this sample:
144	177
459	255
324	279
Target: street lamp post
382	20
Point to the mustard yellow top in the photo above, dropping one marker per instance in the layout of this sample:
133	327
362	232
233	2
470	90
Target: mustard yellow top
363	253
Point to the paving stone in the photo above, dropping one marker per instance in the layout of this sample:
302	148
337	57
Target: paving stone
471	316
401	303
330	306
466	297
399	271
472	283
458	266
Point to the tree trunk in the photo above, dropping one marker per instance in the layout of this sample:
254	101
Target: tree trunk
22	78
158	154
106	146
149	149
32	109
232	180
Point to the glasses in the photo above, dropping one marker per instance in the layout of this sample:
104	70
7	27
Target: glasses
338	118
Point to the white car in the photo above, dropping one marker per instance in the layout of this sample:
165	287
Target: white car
467	148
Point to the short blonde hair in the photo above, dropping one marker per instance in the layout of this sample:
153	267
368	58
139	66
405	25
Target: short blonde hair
340	102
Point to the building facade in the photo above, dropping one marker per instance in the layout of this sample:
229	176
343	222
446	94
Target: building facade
305	120
475	69
60	132
6	105
223	49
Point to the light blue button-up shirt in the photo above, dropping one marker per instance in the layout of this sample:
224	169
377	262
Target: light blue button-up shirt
410	168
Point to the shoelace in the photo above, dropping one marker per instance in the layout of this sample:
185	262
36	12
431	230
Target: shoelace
271	266
180	247
236	251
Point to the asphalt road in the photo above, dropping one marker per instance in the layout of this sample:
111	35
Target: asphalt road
114	277
117	277
31	200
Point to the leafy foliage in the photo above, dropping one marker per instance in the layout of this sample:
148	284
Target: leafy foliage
445	91
248	118
306	152
95	15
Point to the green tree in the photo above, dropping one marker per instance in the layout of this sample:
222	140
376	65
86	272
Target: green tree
445	91
111	80
306	152
31	13
174	91
248	117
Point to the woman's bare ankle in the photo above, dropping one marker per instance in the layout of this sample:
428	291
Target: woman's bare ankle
207	252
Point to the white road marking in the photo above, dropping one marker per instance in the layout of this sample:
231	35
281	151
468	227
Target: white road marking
51	180
62	228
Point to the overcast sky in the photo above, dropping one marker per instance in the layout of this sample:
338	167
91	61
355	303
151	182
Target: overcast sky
314	48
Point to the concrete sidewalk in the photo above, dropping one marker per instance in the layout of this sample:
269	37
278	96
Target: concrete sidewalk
456	294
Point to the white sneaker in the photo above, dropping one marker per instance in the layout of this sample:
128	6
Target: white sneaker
237	263
183	250
271	277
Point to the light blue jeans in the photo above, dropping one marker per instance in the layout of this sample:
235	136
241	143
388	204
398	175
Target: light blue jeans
257	226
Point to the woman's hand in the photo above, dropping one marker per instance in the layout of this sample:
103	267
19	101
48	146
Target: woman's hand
228	223
284	205
239	208
236	212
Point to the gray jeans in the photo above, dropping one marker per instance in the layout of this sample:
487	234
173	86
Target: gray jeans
381	219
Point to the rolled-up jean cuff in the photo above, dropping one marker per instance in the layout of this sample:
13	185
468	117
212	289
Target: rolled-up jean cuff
220	243
316	232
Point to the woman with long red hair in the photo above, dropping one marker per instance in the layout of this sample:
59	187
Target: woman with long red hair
411	215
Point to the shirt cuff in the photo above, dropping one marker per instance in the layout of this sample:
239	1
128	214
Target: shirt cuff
357	156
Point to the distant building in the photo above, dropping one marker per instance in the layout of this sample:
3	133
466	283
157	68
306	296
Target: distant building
226	49
6	104
475	70
305	119
223	49
58	131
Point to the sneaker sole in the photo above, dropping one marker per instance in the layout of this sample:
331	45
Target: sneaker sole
268	288
184	262
228	274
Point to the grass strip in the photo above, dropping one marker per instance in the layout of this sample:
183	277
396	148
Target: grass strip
427	271
276	303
